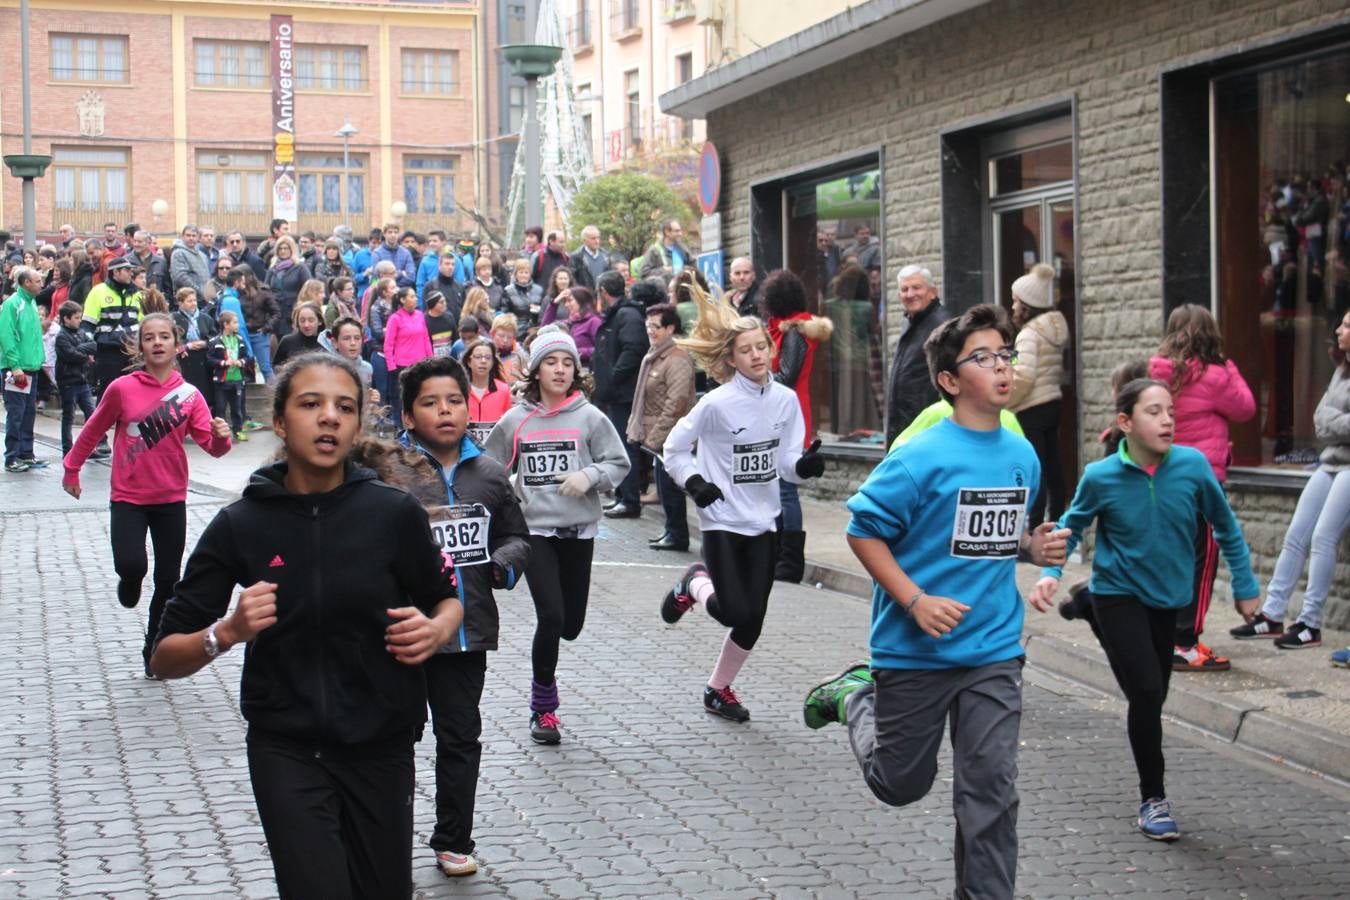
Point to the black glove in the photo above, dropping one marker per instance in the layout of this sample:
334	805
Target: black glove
811	464
703	493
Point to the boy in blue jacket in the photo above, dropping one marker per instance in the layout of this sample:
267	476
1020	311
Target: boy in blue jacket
477	520
939	525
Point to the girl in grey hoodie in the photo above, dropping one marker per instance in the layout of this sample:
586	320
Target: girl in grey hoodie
561	452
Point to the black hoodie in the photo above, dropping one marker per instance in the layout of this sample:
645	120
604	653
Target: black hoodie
339	560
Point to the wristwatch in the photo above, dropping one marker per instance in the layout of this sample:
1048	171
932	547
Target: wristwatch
209	641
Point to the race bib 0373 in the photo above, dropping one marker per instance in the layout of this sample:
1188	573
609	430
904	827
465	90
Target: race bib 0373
544	462
988	522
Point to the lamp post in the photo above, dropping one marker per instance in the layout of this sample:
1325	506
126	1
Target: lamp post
346	132
532	62
27	165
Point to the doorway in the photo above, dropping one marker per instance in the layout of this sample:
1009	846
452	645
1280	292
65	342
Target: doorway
1030	202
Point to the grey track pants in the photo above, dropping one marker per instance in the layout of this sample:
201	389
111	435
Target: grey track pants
896	728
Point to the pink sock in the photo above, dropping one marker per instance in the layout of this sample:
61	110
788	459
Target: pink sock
729	663
701	588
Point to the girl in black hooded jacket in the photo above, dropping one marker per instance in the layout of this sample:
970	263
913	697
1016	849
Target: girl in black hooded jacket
336	628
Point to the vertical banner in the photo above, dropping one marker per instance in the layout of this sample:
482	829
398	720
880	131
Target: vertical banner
284	188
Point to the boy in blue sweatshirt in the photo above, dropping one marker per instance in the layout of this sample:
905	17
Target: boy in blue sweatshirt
939	525
477	520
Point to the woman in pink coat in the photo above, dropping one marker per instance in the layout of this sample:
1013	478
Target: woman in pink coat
406	341
1210	392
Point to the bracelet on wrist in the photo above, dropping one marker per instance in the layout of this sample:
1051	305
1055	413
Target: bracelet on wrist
908	607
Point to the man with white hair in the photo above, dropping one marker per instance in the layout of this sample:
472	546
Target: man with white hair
590	262
67	235
912	387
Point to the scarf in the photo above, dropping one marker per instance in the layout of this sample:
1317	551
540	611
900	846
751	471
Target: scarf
282	265
636	432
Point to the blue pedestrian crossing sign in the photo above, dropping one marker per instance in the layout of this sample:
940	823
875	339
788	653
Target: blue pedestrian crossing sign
710	264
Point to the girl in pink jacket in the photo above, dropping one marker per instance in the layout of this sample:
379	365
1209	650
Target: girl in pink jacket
152	410
1210	392
406	341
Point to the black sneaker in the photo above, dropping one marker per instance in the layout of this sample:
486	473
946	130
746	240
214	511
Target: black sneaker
544	728
678	600
16	465
1299	637
725	703
33	463
1260	627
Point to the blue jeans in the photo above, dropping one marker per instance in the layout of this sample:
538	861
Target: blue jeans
626	491
20	416
792	506
673	504
261	344
1322	513
73	395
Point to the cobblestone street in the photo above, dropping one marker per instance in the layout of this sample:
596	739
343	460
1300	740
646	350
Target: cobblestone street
123	787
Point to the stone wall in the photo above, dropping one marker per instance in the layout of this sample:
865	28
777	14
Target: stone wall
1009	55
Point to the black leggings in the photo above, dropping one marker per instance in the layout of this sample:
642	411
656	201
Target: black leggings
1138	643
1040	426
741	569
559	576
167	524
338	819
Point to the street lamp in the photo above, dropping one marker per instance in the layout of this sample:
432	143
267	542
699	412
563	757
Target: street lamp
27	165
532	62
346	132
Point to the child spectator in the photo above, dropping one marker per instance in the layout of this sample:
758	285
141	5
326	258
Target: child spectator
231	361
515	363
74	355
468	333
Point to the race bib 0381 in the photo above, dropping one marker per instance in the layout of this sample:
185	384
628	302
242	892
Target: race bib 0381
988	522
755	463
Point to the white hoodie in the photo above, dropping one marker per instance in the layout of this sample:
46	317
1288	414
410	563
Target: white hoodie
749	436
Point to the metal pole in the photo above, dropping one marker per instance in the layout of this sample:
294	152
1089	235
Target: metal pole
29	193
534	212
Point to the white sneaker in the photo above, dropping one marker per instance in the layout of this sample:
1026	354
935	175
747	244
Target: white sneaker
456	864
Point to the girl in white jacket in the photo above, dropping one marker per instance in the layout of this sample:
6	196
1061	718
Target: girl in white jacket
749	434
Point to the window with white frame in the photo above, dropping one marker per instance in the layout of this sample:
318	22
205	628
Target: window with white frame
230	64
91	179
321	182
232	182
429	184
430	72
330	68
89	57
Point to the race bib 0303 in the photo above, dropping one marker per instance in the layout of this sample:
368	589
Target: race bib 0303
755	463
462	532
988	522
545	462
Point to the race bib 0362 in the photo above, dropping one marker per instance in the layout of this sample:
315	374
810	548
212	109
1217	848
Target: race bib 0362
988	522
462	532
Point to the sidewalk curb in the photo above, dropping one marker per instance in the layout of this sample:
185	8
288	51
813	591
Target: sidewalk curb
1286	740
194	486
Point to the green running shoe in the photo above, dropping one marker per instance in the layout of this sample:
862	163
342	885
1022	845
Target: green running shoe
825	703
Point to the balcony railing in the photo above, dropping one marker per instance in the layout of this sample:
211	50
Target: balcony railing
625	18
677	10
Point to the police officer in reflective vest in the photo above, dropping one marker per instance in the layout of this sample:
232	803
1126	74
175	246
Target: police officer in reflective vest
112	312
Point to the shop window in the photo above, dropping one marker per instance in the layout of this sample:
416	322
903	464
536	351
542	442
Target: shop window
632	108
89	57
1282	235
832	236
230	64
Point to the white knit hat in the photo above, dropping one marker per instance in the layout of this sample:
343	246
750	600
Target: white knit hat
1037	287
550	339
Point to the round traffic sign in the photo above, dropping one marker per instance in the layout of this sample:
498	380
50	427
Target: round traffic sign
709	179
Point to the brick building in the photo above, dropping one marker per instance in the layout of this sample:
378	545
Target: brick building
167	100
1150	151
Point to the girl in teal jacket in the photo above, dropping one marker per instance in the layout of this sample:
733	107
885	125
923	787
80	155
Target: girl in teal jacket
1145	500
